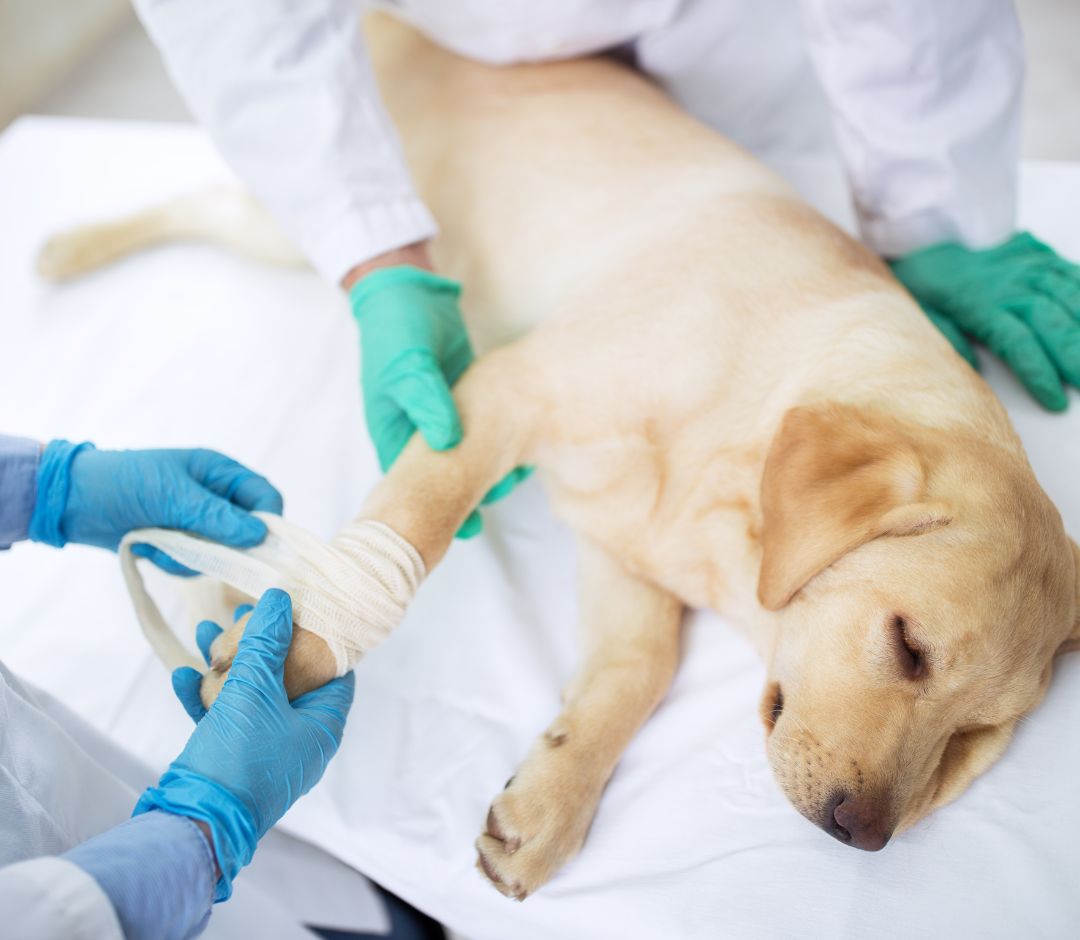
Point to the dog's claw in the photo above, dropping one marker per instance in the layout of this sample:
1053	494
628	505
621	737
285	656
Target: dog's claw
514	890
486	867
510	843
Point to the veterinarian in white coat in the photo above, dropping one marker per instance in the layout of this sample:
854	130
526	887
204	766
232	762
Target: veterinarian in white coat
921	99
70	871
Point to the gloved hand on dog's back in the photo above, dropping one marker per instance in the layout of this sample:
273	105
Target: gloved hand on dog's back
1021	299
414	347
253	752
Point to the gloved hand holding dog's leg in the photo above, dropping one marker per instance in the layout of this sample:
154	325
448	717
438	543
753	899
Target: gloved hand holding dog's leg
253	752
414	347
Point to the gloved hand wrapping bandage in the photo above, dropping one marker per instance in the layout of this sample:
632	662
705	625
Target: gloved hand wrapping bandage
350	592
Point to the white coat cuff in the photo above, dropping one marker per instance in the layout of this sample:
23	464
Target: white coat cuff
364	233
983	227
50	897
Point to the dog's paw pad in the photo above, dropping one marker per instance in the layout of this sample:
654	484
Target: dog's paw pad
556	735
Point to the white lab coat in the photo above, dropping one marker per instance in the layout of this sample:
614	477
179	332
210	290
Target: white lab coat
60	783
923	95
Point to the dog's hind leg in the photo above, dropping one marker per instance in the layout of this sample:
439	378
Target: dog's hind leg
631	647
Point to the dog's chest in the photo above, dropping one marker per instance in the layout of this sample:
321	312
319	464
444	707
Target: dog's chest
686	520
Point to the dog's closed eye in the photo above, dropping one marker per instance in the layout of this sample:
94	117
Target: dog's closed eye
911	655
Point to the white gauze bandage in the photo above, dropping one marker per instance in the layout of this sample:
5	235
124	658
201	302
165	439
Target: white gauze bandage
350	592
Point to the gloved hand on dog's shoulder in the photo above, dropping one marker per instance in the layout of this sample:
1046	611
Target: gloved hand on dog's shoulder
1021	299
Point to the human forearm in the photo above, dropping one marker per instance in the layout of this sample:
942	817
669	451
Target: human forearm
19	460
158	871
415	255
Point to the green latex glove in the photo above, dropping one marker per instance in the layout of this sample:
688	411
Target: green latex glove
1020	299
413	348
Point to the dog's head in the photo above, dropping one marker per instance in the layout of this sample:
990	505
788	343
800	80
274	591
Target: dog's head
923	583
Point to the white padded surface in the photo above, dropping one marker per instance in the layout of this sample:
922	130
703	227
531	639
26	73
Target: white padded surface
186	346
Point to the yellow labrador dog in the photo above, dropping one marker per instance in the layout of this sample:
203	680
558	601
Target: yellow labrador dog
735	406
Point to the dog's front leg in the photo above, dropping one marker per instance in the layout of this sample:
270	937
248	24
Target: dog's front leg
631	645
427	494
424	497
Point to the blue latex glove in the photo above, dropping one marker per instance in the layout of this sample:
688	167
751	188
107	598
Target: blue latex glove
253	753
95	497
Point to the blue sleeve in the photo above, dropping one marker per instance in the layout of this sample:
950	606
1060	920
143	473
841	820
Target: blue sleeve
19	458
157	870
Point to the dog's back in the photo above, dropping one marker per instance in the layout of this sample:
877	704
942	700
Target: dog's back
681	298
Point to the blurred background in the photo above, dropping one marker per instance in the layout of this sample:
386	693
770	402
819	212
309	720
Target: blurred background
91	58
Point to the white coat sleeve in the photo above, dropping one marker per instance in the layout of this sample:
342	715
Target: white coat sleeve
54	899
286	91
925	98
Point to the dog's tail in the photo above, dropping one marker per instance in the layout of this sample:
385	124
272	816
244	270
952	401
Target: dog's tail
224	215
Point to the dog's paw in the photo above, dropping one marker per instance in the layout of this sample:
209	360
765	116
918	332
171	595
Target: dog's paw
309	665
222	653
541	818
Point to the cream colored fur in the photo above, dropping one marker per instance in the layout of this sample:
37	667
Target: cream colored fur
735	406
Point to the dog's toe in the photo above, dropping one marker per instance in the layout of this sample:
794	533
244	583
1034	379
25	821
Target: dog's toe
510	842
489	856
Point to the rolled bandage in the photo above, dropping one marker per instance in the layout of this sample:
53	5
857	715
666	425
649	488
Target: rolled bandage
350	592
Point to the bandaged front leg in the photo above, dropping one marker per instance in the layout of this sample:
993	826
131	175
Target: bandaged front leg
348	595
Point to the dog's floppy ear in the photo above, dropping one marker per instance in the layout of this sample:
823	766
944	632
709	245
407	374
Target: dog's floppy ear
1072	643
836	477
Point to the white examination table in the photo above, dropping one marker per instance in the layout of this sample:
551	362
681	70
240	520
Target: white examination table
186	345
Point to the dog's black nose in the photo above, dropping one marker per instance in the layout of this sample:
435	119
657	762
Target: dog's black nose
861	821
